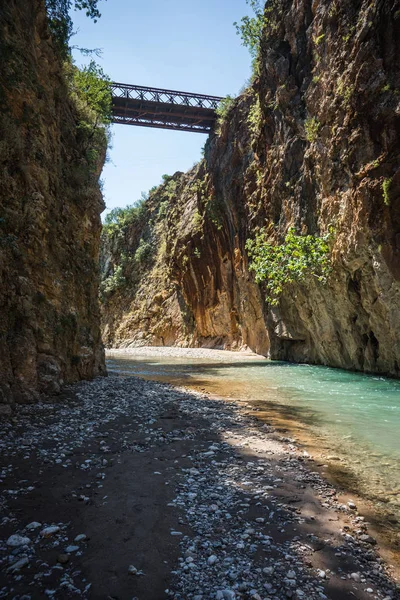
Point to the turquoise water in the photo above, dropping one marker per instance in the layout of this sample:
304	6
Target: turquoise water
356	417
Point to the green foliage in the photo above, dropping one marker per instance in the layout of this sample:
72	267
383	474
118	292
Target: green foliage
387	182
312	127
113	282
90	90
318	40
298	258
119	219
170	188
197	220
163	209
197	253
93	88
143	252
224	107
60	22
255	117
250	29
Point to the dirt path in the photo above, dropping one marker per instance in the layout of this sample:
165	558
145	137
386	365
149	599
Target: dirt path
172	495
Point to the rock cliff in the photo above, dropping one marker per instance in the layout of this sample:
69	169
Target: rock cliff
312	144
50	204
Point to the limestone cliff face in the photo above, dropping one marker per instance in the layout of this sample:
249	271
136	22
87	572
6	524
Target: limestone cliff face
49	219
314	144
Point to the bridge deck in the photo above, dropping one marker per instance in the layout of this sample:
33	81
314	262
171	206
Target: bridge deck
164	109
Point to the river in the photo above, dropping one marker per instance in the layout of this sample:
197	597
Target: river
352	419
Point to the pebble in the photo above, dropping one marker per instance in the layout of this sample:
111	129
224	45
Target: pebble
19	564
33	525
63	559
225	496
49	531
18	540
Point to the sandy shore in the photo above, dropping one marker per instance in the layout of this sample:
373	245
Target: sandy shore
125	488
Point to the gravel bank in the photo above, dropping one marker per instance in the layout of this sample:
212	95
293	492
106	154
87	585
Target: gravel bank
129	489
174	352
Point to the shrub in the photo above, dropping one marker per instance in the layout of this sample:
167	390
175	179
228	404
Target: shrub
224	107
143	252
255	117
60	22
119	218
113	282
250	28
387	182
312	127
298	258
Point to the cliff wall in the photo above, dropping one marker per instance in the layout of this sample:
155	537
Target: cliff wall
50	204
312	144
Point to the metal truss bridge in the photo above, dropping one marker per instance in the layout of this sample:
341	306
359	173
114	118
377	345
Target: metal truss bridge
164	109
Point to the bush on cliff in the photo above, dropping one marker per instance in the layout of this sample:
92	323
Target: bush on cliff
299	257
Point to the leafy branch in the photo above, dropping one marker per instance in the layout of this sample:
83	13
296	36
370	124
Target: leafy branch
298	258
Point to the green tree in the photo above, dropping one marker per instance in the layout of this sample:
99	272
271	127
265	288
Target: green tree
92	86
60	22
298	258
250	29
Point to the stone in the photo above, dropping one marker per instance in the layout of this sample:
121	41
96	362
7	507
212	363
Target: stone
80	538
63	559
14	541
212	559
33	525
71	549
49	531
19	564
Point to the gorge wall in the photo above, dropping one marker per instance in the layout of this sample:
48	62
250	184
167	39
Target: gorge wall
313	143
50	205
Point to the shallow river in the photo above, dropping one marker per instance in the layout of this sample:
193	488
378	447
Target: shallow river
352	419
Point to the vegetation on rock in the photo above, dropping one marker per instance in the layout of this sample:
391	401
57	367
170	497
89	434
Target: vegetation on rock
299	257
60	22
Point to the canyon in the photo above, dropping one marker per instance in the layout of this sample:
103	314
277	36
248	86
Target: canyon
312	143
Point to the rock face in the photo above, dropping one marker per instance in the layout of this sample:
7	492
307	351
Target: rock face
49	219
314	144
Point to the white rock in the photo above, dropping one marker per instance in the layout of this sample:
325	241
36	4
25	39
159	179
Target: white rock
18	540
22	562
33	525
321	574
48	531
356	576
70	549
80	538
212	559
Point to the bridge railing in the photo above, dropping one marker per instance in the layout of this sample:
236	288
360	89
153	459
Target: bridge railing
149	94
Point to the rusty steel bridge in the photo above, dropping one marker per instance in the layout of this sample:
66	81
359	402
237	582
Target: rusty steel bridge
164	109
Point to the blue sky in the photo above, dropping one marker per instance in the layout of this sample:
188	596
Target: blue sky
187	45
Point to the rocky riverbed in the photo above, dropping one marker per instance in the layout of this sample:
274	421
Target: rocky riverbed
129	489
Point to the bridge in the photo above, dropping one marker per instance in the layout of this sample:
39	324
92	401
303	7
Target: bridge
164	109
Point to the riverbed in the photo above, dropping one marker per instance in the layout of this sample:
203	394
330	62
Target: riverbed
351	420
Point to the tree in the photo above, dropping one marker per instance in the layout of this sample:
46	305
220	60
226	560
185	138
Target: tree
60	22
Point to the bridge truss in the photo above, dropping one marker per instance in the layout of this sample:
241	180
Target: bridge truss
164	109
